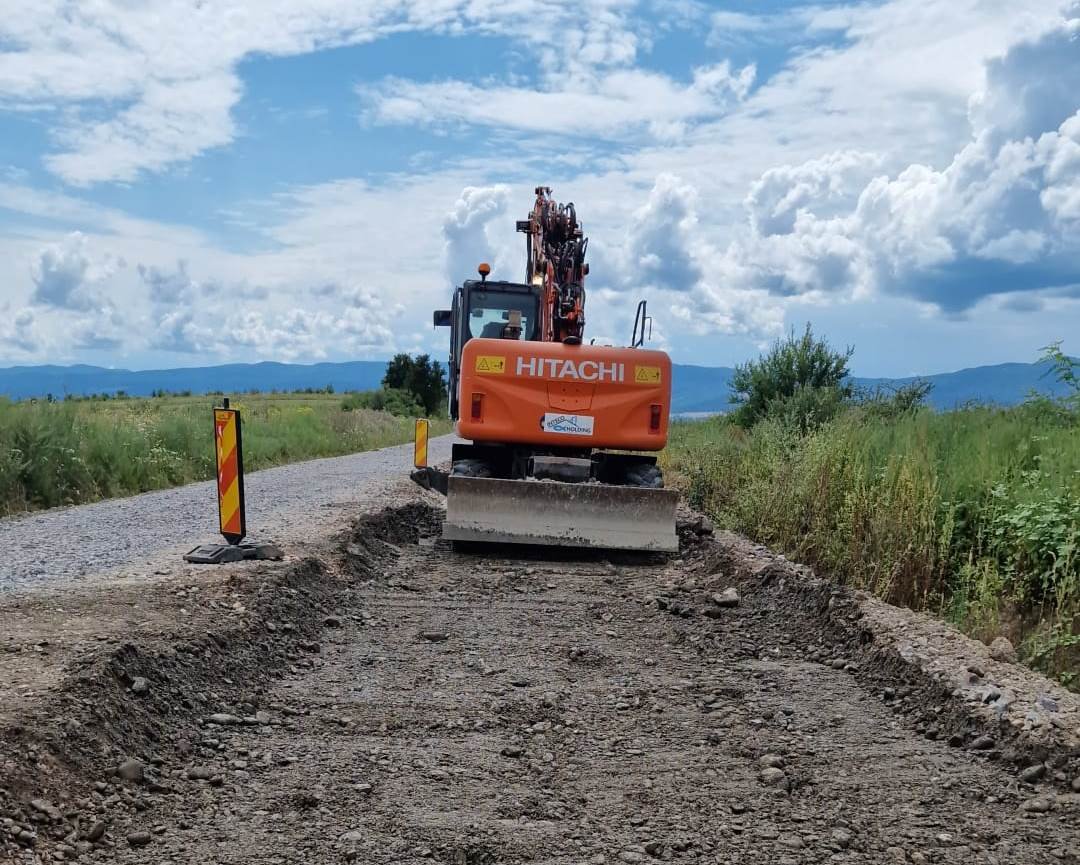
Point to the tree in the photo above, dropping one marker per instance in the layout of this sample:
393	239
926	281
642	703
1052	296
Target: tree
792	368
421	376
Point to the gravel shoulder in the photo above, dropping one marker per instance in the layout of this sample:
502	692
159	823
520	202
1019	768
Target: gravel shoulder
390	700
297	505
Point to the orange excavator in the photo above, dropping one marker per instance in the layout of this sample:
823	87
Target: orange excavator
558	431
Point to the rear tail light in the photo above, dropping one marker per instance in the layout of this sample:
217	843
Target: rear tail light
654	417
477	406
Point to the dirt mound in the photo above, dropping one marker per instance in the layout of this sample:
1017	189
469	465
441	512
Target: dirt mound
943	684
377	538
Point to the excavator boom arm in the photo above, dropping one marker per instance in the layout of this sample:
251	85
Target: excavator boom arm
555	263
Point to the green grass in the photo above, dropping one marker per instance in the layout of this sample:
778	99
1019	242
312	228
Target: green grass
973	514
73	452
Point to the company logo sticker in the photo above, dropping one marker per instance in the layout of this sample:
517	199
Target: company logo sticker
647	374
568	424
490	364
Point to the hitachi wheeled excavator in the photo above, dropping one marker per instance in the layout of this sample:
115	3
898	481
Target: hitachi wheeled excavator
556	428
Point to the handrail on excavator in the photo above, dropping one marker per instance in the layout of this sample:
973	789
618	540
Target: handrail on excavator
641	320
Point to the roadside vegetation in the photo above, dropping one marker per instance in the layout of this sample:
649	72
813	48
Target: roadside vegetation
63	452
973	514
411	387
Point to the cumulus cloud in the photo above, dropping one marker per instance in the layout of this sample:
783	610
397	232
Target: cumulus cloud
465	230
105	330
660	242
169	287
1033	88
66	276
19	333
1002	216
301	333
667	257
289	334
190	316
178	331
830	185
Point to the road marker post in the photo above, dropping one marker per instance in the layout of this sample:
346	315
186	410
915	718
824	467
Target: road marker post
426	476
229	452
420	443
232	512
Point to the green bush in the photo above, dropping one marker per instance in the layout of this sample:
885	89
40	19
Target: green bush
808	407
395	401
786	381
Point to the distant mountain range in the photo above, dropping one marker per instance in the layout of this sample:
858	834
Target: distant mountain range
705	389
696	388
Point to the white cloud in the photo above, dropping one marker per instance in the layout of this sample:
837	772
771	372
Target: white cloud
305	334
830	184
614	104
169	287
177	331
859	168
999	217
660	243
173	121
465	231
66	276
152	84
105	330
666	257
19	333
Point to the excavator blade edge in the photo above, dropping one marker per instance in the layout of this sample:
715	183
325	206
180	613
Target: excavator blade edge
553	513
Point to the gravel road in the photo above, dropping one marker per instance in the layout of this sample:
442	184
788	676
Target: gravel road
155	528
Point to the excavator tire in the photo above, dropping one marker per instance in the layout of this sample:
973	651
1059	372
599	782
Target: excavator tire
471	468
645	475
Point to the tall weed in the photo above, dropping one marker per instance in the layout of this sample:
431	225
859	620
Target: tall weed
66	453
973	514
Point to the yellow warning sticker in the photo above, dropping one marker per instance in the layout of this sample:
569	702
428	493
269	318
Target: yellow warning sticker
647	374
490	364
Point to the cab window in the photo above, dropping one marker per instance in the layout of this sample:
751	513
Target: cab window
489	313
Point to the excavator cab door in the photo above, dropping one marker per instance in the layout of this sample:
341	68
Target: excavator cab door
495	310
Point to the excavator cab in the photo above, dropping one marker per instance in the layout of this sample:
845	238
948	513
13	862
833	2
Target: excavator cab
488	310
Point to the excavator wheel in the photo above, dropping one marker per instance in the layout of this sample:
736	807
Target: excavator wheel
645	475
471	468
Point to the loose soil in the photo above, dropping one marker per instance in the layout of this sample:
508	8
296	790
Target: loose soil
392	700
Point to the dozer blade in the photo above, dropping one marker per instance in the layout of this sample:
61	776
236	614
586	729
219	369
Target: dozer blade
560	514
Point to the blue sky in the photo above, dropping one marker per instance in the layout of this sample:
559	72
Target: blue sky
184	183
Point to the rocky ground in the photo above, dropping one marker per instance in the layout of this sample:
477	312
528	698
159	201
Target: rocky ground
390	700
